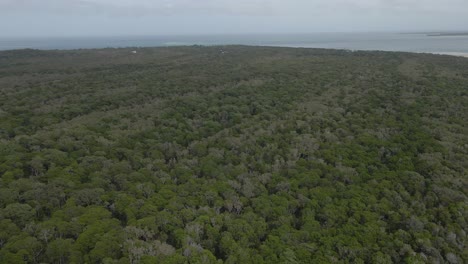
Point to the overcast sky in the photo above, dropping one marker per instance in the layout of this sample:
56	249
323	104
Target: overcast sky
27	18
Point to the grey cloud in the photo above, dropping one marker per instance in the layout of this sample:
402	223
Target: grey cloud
82	17
138	7
230	7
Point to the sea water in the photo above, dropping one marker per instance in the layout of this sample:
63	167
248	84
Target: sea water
415	42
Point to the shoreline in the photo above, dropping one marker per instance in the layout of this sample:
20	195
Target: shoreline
448	53
457	54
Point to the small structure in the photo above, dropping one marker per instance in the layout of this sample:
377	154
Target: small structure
134	51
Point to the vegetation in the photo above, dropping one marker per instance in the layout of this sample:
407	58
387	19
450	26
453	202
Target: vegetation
233	155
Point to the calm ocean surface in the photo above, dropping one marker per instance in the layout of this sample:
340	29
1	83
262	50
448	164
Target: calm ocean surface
352	41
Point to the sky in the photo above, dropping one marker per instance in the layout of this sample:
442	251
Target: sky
68	18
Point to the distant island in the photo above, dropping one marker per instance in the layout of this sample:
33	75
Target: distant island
437	34
447	34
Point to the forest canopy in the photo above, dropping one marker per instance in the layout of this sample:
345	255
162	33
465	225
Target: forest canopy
233	154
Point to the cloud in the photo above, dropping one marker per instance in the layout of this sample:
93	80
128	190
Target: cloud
117	17
139	7
230	7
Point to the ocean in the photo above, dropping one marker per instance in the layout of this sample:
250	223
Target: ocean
416	42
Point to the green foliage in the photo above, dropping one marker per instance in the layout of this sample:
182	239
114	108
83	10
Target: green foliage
251	155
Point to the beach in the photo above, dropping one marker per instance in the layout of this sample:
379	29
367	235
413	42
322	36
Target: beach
458	54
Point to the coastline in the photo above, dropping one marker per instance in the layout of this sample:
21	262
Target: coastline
458	54
419	43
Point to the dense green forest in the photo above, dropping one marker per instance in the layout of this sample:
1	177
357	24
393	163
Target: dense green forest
233	154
